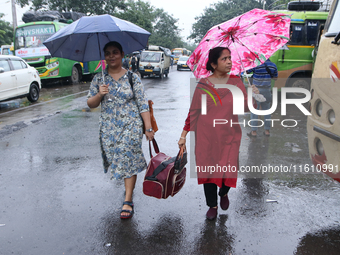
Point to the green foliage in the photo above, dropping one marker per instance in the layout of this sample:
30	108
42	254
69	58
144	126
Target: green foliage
166	32
6	32
140	13
218	13
226	10
161	25
85	6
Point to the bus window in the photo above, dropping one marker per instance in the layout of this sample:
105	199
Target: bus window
312	32
297	34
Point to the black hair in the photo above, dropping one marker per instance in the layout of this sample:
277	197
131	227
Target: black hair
115	44
214	55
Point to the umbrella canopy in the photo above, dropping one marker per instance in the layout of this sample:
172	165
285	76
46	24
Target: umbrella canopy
251	37
84	39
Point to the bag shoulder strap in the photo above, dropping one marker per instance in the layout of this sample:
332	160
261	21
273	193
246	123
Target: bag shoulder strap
268	70
130	78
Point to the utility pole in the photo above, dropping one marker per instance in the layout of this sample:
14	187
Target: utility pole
14	15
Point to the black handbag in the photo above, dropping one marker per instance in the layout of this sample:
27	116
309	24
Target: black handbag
181	160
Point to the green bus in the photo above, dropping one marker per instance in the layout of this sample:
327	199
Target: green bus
28	44
295	60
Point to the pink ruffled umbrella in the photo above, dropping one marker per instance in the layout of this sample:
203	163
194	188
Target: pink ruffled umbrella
251	37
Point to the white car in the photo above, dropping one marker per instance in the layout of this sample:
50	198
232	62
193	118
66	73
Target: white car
182	63
18	79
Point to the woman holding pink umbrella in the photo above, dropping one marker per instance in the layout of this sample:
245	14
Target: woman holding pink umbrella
216	148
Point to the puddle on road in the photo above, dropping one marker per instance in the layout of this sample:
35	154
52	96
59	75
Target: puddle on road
47	94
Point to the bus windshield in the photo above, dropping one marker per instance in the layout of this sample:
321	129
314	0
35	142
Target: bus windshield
177	52
150	57
33	36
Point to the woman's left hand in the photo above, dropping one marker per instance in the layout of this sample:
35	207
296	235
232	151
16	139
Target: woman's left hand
149	135
255	89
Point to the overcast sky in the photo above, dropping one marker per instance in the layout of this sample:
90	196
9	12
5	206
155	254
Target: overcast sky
184	10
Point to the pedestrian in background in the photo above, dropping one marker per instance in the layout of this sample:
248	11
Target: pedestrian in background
219	145
138	60
133	63
262	79
121	122
126	62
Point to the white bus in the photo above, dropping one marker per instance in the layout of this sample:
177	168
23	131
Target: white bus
323	126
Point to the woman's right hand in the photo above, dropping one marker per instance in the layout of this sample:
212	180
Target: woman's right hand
103	89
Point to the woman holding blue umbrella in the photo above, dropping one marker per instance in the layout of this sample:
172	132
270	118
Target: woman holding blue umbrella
124	108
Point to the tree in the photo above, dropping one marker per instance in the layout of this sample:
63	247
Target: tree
226	10
6	32
140	13
166	32
160	24
85	6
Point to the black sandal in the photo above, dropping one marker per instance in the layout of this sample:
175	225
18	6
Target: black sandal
127	211
250	134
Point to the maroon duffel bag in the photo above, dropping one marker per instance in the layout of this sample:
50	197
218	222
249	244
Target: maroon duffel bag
161	178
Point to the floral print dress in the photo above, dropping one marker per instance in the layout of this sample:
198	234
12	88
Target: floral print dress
121	125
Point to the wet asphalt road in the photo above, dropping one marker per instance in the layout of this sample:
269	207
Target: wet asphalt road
55	198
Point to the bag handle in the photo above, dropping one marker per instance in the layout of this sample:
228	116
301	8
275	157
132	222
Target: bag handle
180	153
155	147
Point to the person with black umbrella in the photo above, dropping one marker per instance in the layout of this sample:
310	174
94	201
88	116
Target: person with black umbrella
121	122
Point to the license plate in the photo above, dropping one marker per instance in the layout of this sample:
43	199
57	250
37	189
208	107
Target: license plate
185	66
148	70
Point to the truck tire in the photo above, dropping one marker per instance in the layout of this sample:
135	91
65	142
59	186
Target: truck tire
33	94
298	81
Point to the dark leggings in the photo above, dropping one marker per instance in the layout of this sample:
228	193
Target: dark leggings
210	191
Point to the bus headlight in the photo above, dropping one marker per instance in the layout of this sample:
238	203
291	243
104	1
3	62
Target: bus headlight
331	117
54	73
319	147
52	65
318	108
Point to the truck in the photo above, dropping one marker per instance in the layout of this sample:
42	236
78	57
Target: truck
295	60
155	61
6	50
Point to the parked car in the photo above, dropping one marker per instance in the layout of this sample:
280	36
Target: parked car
182	63
18	79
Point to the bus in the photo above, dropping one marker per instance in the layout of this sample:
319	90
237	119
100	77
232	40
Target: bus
295	60
323	125
179	52
28	44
